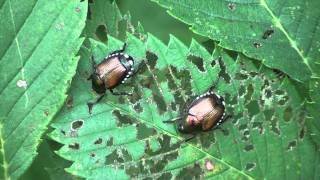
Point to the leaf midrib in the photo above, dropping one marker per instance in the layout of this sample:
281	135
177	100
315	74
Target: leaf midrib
278	24
263	3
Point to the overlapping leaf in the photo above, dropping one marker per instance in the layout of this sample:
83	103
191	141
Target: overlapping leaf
39	41
125	137
282	34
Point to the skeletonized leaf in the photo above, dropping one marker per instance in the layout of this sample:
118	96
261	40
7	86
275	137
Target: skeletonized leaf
39	40
281	34
125	137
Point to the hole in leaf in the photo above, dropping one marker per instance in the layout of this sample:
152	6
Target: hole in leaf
287	114
267	34
113	158
76	125
74	146
250	166
246	135
98	141
275	126
257	45
92	155
240	76
193	171
242	90
249	147
125	154
253	108
166	175
161	104
110	141
198	61
46	113
122	119
151	59
223	70
77	9
268	93
69	102
283	100
279	92
232	6
225	132
291	145
302	132
259	126
63	132
101	33
253	74
207	139
137	107
243	127
213	63
144	131
157	165
268	114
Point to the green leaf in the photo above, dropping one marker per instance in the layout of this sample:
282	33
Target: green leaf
125	137
313	107
282	34
104	19
39	41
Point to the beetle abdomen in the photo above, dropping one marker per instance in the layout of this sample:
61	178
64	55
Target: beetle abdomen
111	71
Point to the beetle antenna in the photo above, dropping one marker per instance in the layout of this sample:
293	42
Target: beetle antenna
215	84
172	120
91	104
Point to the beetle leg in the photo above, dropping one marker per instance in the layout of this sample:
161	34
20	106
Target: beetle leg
120	93
93	64
123	47
189	138
172	120
219	99
91	104
90	77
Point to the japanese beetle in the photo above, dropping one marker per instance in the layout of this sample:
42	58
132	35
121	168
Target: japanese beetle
204	113
114	70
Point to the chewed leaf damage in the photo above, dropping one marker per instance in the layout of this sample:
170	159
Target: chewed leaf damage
126	135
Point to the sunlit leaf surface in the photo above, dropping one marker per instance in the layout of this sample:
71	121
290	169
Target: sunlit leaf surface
284	35
125	137
38	43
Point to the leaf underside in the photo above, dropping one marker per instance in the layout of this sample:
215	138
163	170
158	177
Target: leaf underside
281	34
125	137
39	41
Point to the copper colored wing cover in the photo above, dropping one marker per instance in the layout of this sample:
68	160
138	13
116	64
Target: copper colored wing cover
208	110
111	71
